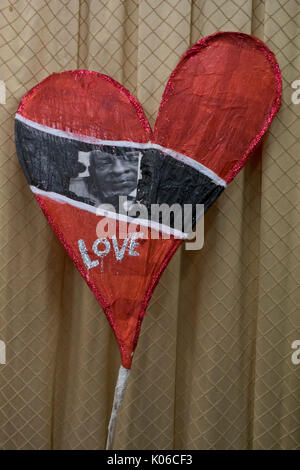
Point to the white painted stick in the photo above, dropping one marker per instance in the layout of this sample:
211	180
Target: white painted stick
118	398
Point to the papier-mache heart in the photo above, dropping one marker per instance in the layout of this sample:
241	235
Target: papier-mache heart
85	144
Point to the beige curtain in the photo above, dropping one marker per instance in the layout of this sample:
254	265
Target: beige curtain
213	366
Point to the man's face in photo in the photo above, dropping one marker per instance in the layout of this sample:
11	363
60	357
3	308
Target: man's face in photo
113	175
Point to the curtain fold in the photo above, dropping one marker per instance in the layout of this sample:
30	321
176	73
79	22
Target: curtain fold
213	367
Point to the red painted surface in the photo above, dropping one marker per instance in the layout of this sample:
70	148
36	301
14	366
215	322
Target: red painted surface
123	288
220	101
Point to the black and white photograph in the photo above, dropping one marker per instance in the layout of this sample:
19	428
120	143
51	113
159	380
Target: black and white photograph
89	173
107	176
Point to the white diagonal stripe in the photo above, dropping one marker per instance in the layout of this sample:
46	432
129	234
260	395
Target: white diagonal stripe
105	213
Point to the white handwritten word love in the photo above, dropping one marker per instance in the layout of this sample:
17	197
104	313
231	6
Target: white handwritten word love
102	246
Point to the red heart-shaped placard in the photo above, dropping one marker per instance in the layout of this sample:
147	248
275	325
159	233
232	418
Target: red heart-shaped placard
217	106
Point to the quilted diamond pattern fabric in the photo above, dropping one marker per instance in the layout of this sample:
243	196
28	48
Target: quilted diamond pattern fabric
213	366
